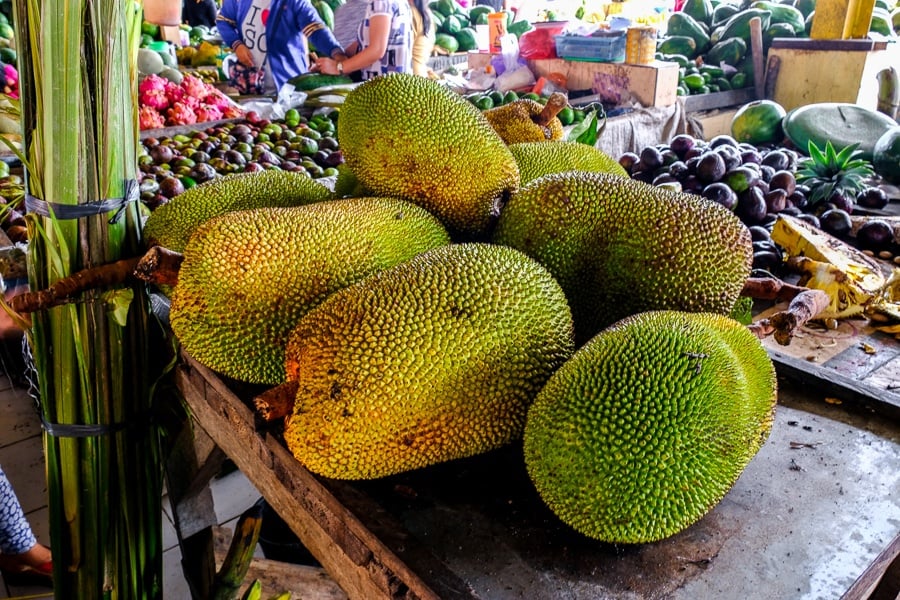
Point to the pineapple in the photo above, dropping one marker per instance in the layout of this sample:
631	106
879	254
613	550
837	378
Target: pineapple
831	173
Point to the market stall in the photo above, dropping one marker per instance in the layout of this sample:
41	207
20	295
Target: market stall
443	246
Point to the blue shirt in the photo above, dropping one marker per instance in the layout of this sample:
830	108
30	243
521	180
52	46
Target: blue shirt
289	24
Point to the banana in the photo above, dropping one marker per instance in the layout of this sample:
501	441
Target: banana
854	281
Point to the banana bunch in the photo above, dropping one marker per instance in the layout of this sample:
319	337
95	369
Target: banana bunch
855	282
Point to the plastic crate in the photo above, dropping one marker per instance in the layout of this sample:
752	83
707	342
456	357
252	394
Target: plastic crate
604	47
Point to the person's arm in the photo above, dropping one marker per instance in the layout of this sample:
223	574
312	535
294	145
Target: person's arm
379	29
227	24
316	31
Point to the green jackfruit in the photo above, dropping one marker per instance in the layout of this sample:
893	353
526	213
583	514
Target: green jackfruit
649	424
538	158
171	225
435	359
248	276
410	137
619	246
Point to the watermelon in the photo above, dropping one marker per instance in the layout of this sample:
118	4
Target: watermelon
758	122
886	155
841	123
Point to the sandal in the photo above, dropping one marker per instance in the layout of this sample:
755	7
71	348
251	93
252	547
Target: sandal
23	575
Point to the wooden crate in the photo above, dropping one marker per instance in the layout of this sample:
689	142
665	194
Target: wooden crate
650	85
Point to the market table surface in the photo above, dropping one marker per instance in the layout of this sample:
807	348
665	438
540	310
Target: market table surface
814	515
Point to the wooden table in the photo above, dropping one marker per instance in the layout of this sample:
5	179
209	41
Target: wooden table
476	529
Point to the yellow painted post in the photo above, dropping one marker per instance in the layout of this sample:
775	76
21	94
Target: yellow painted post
828	20
859	17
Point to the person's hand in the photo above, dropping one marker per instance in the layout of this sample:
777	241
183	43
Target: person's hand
244	56
327	66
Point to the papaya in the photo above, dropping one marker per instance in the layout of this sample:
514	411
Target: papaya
478	14
804	6
730	52
782	13
739	24
682	24
447	42
886	155
723	12
465	39
777	30
699	10
678	44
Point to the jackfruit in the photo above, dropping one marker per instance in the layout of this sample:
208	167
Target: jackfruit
649	424
248	276
539	158
410	137
619	246
435	359
526	120
171	224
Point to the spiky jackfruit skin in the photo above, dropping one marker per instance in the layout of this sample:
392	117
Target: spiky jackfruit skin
248	276
538	158
410	137
649	424
435	359
619	246
513	122
172	224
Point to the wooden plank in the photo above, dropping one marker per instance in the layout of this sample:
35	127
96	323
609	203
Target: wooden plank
834	384
881	580
361	564
713	100
828	45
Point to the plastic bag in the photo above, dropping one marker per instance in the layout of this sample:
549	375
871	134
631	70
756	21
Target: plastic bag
537	44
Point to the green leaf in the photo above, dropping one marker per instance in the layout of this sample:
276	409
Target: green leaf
119	302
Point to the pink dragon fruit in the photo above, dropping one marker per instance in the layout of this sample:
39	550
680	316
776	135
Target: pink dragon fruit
194	87
208	112
152	92
180	114
150	118
173	92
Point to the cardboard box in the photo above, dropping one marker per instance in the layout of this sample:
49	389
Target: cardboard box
650	85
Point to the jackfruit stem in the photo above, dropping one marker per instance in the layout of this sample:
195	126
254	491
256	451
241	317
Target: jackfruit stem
770	288
63	290
555	103
277	402
804	307
159	266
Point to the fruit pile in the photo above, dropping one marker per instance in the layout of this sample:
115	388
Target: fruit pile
449	266
170	165
165	103
710	40
759	183
456	25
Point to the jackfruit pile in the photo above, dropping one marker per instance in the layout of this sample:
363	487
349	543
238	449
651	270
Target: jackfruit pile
456	288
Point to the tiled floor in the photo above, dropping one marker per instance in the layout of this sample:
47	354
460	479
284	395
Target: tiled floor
21	454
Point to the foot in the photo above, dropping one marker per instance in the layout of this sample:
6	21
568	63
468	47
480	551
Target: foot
37	558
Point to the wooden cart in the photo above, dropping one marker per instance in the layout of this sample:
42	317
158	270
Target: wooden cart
814	515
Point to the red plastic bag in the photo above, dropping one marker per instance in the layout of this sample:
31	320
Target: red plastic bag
537	43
